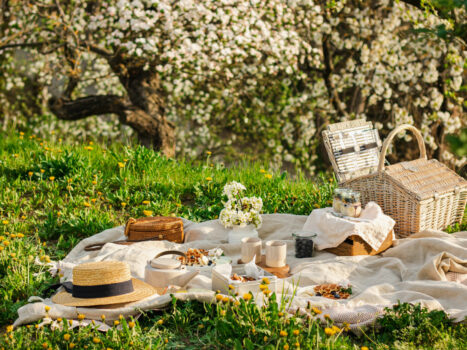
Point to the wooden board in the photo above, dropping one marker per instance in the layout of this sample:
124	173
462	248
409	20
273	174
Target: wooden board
279	272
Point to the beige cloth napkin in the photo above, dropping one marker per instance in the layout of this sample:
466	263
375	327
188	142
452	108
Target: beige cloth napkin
372	226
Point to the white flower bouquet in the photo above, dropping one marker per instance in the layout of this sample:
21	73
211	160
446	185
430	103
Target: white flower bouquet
240	211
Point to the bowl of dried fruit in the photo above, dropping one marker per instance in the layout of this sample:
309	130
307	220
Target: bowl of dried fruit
202	259
333	291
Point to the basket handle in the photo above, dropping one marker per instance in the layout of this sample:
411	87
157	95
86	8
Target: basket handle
392	134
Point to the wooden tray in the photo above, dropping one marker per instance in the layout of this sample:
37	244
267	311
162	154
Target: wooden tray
279	272
354	245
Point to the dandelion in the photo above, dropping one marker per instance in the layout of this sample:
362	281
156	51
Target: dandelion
52	178
346	326
21	133
96	340
6	243
103	317
120	317
131	324
208	153
30	173
263	286
364	348
286	346
147	212
297	344
86	204
280	314
42	171
93	200
123	204
283	333
59	213
236	303
45	345
66	337
81	317
265	280
70	180
328	331
222	312
326	316
266	292
23	217
12	235
247	296
71	345
265	339
160	322
296	332
59	319
166	340
268	176
336	329
94	182
316	310
47	308
262	171
5	222
201	326
121	165
9	329
225	300
209	178
116	322
146	202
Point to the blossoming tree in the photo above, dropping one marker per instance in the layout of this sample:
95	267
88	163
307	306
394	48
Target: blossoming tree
241	75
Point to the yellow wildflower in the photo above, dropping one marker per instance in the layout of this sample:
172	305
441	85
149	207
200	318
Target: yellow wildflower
283	333
116	322
328	331
263	286
131	324
96	340
86	204
30	173
268	176
160	321
94	182
45	345
262	171
147	212
222	312
225	299
336	329
146	202
47	308
209	178
21	133
93	200
247	296
42	171
297	344
52	178
316	310
121	165
123	204
6	243
103	318
208	153
286	346
66	337
9	329
71	345
280	314
296	332
265	339
364	348
326	316
266	280
346	326
266	292
5	222
81	317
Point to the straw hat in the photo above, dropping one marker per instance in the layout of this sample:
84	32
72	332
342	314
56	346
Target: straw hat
102	283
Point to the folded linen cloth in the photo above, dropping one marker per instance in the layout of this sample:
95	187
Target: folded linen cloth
372	226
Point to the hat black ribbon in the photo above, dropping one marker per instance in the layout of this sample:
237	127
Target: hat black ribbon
99	291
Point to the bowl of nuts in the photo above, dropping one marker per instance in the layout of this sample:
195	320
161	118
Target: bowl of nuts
202	259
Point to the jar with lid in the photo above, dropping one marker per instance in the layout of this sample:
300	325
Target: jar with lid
304	243
347	202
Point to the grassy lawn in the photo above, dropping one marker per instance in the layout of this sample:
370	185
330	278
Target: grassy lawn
54	194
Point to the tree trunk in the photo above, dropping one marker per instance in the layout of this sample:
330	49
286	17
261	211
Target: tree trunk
143	110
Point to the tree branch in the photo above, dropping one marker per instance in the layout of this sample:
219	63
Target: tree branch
329	69
84	107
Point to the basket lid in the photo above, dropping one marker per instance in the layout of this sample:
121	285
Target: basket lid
353	148
425	179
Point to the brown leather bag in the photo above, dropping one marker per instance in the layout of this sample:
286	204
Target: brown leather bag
158	228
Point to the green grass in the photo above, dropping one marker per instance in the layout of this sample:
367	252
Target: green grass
54	194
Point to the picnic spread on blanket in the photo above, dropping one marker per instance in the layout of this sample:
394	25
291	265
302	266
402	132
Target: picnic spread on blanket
379	244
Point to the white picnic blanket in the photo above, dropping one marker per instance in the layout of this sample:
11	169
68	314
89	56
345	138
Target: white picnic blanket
372	226
415	270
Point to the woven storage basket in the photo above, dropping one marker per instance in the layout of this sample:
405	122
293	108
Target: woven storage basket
355	245
159	227
419	194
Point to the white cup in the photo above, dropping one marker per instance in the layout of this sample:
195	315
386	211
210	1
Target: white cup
251	246
276	252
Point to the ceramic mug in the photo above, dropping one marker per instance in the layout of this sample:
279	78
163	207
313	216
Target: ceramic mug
251	246
276	252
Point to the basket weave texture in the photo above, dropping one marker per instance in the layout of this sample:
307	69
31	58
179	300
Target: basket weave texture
419	194
155	228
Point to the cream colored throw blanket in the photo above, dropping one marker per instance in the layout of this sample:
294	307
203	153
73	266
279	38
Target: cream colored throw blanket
428	268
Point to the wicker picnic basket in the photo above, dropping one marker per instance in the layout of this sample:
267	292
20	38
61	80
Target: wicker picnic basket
419	194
